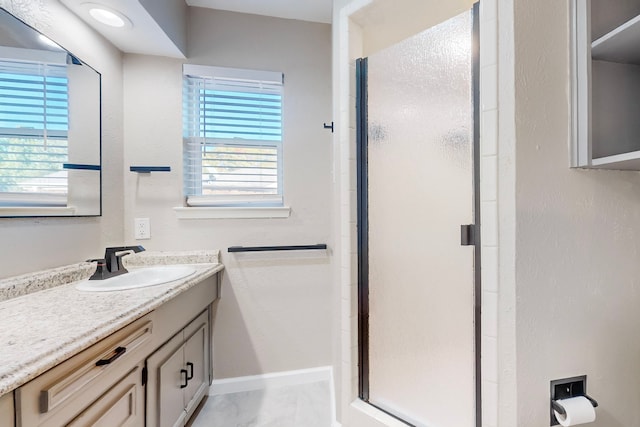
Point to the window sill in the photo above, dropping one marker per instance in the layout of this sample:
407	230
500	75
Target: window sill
14	211
231	212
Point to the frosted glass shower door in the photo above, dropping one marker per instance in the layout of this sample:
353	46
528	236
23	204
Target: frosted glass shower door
420	361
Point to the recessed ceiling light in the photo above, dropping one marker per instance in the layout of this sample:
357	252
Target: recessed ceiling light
107	16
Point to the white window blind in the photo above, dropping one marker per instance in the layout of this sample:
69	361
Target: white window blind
34	123
232	137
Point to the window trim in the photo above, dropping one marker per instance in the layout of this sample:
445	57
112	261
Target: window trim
246	201
209	71
37	211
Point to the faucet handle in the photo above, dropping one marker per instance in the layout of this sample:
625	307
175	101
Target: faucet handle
99	274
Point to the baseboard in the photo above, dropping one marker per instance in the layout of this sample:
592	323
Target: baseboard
277	379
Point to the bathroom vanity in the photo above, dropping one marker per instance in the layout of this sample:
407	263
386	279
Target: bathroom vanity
80	358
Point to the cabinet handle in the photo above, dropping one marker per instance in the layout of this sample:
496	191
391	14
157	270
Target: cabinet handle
118	352
186	378
190	366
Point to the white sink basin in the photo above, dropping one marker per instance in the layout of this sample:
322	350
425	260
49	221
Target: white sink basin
141	278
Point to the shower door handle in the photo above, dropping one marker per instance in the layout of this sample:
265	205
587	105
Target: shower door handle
468	235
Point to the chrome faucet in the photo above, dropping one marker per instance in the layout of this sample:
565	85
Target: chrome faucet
111	264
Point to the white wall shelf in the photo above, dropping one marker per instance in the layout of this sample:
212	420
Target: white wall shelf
605	86
619	45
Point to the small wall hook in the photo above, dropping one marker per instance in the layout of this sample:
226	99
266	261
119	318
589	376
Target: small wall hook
326	126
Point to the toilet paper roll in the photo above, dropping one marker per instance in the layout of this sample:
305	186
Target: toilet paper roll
579	411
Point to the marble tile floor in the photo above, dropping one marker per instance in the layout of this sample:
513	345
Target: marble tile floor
301	405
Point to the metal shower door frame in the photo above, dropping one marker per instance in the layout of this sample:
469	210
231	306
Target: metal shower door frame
363	224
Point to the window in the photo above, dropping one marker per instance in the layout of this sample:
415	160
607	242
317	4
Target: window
232	137
34	125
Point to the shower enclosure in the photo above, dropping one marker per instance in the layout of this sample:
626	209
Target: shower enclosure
418	268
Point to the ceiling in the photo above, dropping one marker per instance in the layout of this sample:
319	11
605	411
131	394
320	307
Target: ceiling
304	10
147	36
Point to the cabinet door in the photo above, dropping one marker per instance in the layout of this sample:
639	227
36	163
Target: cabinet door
120	406
172	381
6	410
196	363
165	385
178	375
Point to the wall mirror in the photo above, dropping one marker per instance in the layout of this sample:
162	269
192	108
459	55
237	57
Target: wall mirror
50	128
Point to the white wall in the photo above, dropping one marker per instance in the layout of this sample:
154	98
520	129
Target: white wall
275	313
83	139
34	244
577	241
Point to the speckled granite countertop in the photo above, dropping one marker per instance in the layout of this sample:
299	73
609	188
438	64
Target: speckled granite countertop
50	320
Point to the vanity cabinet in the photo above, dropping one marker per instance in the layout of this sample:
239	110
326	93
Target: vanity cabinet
178	375
606	84
152	372
6	410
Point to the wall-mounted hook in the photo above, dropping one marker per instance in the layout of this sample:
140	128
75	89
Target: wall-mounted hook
326	126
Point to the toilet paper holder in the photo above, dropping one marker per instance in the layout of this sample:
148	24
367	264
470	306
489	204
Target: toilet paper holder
564	389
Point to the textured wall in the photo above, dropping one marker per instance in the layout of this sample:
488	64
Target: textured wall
275	312
577	234
34	244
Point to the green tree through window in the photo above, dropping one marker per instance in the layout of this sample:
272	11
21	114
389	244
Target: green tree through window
34	123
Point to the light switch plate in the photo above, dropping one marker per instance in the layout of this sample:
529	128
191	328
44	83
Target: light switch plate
142	228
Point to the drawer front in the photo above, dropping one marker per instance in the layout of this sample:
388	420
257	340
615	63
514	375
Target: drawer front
122	405
61	393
